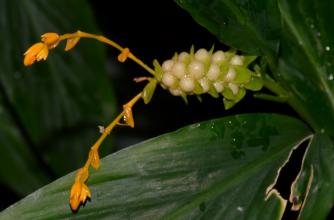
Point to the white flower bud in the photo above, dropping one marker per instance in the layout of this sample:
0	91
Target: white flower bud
187	84
167	65
219	86
169	80
213	72
230	75
237	60
204	82
202	55
196	69
178	70
234	88
218	57
183	56
175	92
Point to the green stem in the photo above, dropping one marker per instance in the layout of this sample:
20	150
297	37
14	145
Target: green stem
290	98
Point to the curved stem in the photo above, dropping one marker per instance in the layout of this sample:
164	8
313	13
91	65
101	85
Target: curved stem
105	40
109	128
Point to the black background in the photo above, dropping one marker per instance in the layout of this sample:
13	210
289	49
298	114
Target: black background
156	30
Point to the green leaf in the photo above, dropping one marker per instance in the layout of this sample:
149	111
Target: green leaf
219	169
250	26
149	90
305	65
19	170
57	103
315	181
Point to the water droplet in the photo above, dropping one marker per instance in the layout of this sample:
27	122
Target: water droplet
195	125
327	48
330	76
233	139
230	122
240	209
322	130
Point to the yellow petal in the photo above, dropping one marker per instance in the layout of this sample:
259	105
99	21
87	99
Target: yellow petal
29	60
50	39
85	193
75	195
43	54
34	49
71	42
34	53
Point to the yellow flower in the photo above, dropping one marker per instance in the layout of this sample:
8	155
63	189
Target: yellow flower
79	194
50	39
37	52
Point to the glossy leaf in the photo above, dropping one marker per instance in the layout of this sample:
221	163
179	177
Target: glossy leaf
19	170
56	104
219	169
315	182
306	61
251	26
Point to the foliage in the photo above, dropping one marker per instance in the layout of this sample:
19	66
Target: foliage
219	169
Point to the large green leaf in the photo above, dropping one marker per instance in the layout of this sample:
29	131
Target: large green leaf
251	26
306	59
315	181
297	33
19	168
54	106
219	169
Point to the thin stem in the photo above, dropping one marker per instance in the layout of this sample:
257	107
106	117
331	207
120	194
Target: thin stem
109	42
270	97
109	128
274	87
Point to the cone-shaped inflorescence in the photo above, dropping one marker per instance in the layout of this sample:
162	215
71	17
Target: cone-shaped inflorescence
196	73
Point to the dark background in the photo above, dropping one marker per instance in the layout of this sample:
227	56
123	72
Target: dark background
156	30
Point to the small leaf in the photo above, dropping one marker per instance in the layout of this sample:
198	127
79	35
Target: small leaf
149	90
157	69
